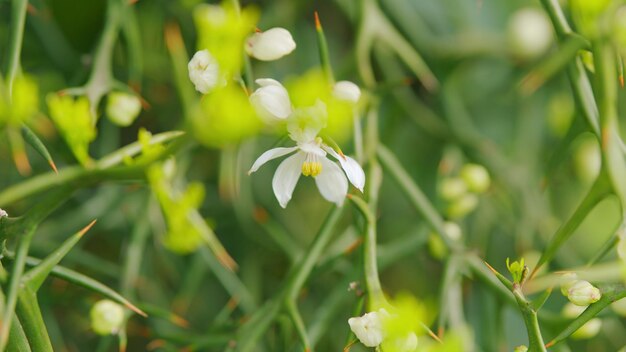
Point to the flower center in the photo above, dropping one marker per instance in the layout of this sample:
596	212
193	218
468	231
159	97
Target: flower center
311	166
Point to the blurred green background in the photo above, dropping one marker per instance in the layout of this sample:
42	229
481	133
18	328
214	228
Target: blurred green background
479	115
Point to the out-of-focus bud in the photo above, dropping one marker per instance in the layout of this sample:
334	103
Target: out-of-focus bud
452	188
107	317
347	91
3	213
270	45
476	177
368	328
271	101
123	108
620	307
583	293
462	206
204	71
567	281
453	230
521	348
587	160
587	331
529	33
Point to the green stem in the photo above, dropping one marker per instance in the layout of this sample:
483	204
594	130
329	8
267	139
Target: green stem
18	19
29	314
535	340
298	323
14	285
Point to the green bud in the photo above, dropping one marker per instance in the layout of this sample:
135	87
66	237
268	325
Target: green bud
476	177
107	317
462	206
123	108
517	269
520	348
451	188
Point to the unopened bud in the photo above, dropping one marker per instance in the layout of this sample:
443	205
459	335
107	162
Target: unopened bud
203	71
123	108
452	188
529	33
462	206
107	317
271	101
567	281
270	45
520	348
347	91
583	293
476	177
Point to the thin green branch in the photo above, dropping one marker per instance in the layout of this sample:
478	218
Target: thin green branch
18	19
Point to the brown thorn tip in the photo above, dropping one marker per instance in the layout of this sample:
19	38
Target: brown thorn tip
135	309
621	81
549	344
490	267
53	166
318	25
86	228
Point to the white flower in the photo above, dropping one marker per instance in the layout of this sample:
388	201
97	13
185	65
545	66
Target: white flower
3	213
368	328
583	293
271	44
203	71
123	108
346	90
271	101
310	159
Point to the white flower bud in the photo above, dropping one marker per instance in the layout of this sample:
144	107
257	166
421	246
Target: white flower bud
203	71
582	293
270	45
476	177
3	213
529	33
271	101
123	108
453	230
368	328
567	281
107	317
346	90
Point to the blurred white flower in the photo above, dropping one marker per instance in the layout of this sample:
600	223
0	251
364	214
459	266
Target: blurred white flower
529	33
346	90
583	293
271	101
203	71
3	213
270	45
369	328
123	108
310	159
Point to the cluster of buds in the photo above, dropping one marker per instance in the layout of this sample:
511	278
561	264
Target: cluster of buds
461	191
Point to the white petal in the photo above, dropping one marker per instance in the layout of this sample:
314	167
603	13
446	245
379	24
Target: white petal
264	82
353	170
286	178
331	182
346	90
271	44
271	101
269	155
